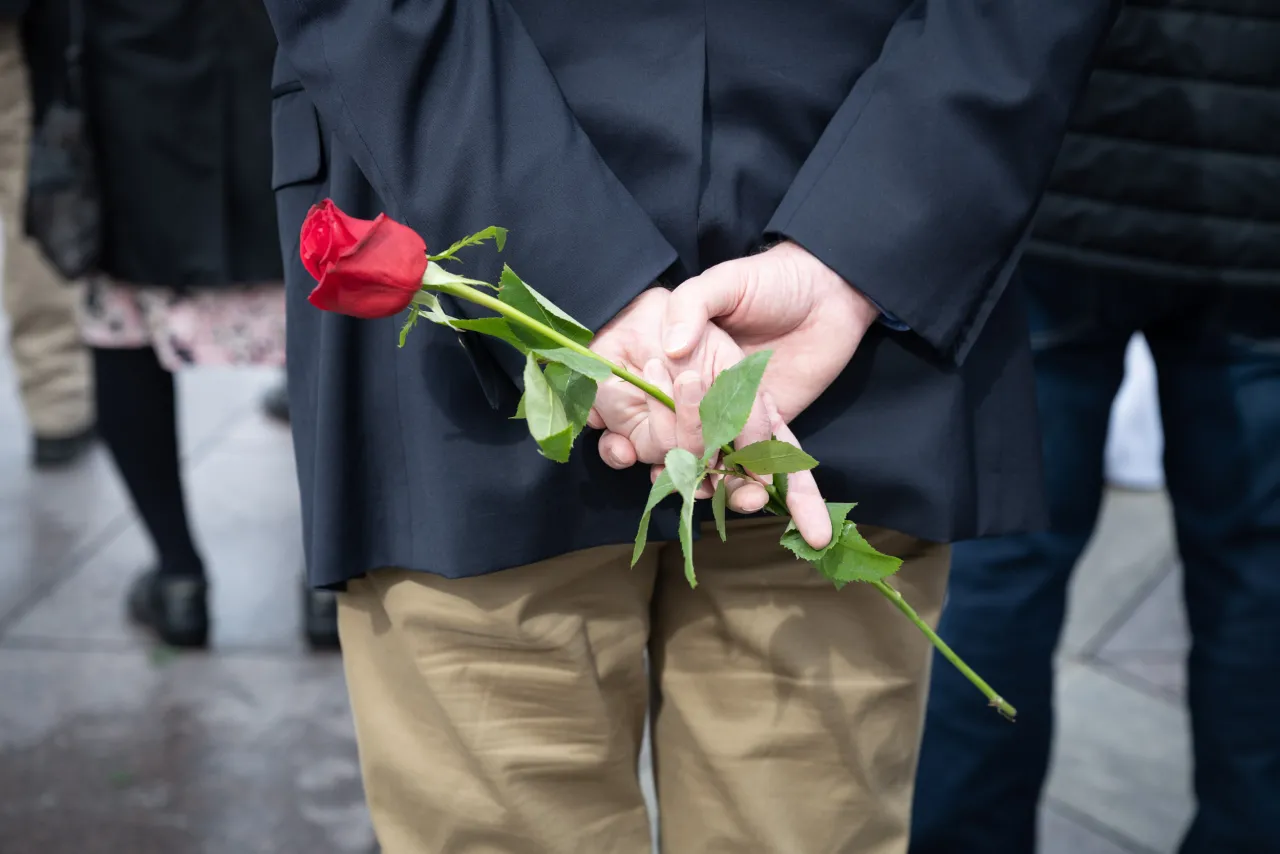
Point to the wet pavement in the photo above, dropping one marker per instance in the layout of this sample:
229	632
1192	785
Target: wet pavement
109	745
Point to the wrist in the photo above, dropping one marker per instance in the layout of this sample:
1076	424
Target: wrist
865	312
833	292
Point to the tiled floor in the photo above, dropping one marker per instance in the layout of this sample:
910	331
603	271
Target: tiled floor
109	746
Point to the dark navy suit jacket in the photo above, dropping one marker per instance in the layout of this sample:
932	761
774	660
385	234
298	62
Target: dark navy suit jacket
903	143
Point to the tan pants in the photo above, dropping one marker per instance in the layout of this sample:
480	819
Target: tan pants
52	365
503	714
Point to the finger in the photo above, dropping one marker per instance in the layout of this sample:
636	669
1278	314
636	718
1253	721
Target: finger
617	451
804	501
654	471
619	406
594	421
660	424
707	488
688	420
746	496
715	293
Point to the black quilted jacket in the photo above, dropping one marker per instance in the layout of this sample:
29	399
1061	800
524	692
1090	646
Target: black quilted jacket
1171	171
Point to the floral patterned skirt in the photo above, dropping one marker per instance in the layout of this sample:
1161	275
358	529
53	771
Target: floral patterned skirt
242	325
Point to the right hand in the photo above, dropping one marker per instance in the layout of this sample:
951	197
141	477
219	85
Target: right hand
638	428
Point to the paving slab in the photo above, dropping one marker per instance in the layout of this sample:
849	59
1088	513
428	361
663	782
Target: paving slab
1150	648
1123	758
123	752
1063	831
1131	550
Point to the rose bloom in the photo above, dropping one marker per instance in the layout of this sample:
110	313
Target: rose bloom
364	268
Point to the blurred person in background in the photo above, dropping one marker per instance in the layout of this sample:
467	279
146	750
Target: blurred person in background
179	99
1163	217
50	360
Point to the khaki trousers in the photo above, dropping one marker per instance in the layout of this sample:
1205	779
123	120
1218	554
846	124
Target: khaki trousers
51	363
504	714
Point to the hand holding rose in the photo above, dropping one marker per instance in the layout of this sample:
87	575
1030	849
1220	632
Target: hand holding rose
784	300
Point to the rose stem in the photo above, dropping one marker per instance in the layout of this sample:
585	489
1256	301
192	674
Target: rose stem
479	297
467	292
894	596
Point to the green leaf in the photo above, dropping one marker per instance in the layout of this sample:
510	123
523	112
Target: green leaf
717	508
848	557
854	559
772	457
593	368
686	540
545	414
792	540
780	486
515	293
496	327
498	235
520	415
686	472
662	487
577	394
728	402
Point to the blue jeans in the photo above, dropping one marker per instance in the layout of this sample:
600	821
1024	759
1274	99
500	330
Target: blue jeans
1217	355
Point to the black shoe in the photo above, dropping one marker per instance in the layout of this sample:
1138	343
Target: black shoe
51	452
320	618
174	607
275	405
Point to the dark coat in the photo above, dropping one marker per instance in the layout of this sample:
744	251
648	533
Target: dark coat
178	93
1171	171
904	143
11	9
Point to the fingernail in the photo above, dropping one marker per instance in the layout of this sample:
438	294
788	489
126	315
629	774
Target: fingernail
677	338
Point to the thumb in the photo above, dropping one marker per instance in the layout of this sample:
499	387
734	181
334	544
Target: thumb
697	301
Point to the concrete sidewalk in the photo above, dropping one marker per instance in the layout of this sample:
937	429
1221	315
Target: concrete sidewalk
107	745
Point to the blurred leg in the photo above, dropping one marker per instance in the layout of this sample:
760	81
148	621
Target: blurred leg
980	777
1220	389
139	424
52	365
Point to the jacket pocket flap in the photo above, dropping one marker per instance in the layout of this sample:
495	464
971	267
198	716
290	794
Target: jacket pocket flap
295	129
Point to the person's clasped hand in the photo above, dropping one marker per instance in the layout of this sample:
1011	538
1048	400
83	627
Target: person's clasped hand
784	300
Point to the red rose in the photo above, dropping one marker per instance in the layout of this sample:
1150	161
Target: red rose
365	268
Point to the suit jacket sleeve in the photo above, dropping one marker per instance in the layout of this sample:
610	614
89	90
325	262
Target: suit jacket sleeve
923	184
454	118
